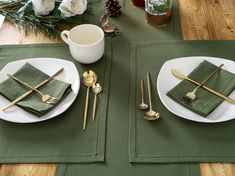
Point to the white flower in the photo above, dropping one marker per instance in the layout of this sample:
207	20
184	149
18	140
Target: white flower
43	7
73	7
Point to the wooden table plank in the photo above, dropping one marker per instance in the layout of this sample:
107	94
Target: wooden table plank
220	19
193	20
200	20
10	34
217	169
27	170
207	19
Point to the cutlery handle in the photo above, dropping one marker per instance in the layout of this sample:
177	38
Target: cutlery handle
17	100
142	90
213	91
94	108
30	91
25	84
86	108
149	91
210	75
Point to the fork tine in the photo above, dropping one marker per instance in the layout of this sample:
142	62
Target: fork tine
187	99
52	100
190	100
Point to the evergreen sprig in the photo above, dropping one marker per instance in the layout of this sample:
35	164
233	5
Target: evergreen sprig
21	13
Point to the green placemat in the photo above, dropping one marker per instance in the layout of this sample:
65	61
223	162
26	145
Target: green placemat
60	139
171	138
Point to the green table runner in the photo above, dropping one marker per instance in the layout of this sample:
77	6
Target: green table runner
128	169
60	139
116	159
171	138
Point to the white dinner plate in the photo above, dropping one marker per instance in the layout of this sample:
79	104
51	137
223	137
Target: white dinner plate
49	66
166	81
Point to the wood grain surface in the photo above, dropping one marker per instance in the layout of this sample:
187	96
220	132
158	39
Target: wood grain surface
200	20
9	34
207	19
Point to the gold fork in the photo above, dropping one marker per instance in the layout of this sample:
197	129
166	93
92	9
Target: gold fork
45	97
191	96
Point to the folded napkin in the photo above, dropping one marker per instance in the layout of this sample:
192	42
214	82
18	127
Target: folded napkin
223	82
33	104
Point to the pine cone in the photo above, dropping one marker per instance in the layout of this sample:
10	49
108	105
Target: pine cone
113	9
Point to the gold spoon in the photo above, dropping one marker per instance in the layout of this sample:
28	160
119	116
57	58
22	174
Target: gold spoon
96	89
142	105
151	114
89	78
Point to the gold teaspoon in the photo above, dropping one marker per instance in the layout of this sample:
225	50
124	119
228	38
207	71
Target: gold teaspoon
96	89
89	78
142	105
151	114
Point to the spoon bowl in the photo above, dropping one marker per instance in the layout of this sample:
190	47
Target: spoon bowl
89	78
96	89
154	117
143	106
150	113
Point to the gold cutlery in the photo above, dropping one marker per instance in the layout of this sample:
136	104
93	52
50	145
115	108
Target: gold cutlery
142	105
181	76
89	78
30	91
151	114
96	89
45	97
191	96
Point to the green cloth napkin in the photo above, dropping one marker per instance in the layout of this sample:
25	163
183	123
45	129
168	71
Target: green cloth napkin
33	103
223	82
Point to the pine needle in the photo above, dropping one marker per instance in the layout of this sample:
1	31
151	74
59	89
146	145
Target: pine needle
21	14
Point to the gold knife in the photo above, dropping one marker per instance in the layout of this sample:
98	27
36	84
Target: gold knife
30	91
181	76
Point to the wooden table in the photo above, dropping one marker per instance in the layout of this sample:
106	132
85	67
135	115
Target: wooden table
200	20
